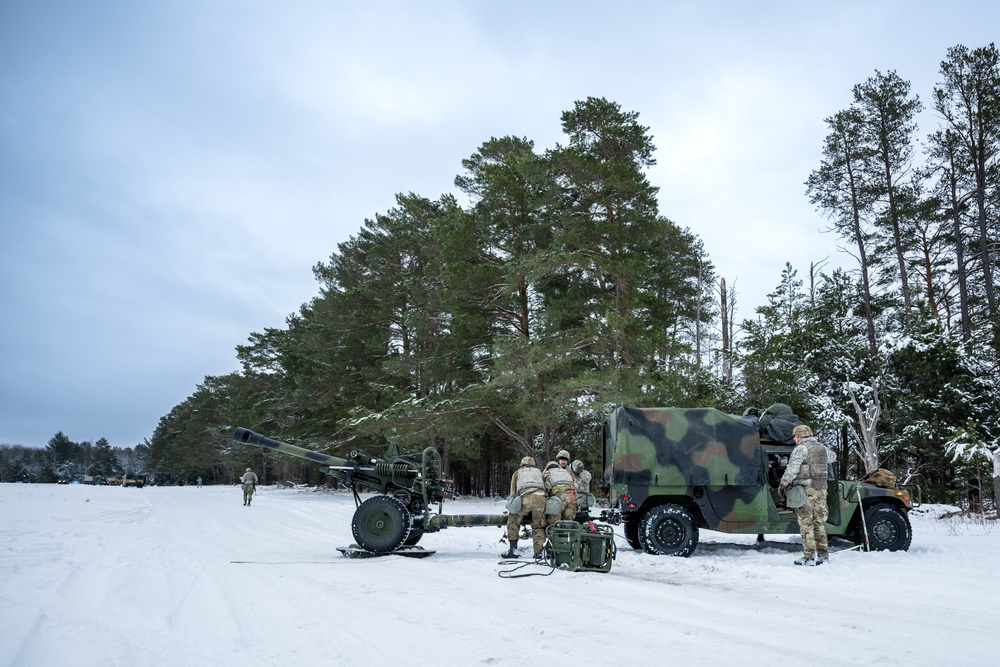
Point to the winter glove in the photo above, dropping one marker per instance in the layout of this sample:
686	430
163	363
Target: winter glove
782	488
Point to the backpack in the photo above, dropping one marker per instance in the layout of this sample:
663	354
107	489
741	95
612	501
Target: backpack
881	477
776	423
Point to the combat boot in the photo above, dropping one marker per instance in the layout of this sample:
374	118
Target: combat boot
805	560
822	558
512	552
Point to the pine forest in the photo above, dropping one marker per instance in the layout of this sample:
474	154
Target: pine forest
510	316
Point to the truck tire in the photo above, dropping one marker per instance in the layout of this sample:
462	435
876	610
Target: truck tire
381	524
888	528
668	530
631	527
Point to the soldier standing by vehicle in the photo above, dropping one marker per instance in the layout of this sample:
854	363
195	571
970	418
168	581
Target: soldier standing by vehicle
807	467
560	483
583	495
526	486
249	480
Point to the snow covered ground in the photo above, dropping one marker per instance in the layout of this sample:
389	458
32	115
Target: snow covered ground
186	576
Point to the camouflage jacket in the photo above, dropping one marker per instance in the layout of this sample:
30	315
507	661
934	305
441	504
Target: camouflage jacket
525	480
558	479
808	464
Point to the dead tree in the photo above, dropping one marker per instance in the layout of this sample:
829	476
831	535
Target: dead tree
865	434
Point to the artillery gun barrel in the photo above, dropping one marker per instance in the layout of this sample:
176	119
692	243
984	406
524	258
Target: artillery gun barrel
406	488
245	436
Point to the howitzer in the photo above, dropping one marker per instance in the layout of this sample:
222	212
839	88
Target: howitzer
407	487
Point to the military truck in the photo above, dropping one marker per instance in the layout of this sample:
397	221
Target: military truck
134	481
669	472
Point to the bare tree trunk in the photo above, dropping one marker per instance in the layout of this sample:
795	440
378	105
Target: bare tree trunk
724	314
867	427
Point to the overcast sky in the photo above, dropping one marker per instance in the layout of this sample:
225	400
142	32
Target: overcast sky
171	171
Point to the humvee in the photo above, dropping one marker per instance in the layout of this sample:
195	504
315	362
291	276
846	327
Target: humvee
670	471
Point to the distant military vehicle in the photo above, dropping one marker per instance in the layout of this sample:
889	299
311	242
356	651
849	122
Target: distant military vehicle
134	481
670	471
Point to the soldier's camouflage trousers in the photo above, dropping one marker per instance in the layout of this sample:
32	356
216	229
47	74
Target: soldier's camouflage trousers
533	504
811	517
568	513
247	493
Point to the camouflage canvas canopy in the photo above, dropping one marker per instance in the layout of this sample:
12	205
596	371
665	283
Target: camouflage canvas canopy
686	446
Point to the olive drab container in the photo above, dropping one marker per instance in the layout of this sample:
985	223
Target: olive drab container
581	547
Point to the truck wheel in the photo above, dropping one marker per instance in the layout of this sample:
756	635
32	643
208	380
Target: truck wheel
632	533
381	524
888	528
668	530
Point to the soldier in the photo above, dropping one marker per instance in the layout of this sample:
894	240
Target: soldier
807	466
583	495
249	480
526	483
560	482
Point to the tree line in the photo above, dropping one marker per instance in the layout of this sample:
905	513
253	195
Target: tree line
899	353
509	317
497	327
63	460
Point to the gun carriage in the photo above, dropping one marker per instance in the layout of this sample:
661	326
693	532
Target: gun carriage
407	488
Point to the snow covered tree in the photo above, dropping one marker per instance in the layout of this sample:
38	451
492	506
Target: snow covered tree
968	99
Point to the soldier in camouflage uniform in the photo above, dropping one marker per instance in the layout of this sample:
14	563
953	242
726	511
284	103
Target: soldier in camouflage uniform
807	466
584	498
561	483
527	483
249	481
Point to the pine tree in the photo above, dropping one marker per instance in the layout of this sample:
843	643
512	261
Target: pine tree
840	188
886	113
968	98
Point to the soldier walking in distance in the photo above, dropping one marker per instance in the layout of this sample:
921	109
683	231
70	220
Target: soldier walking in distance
249	480
526	483
807	467
560	482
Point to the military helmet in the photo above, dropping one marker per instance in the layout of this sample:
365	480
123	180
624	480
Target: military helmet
527	461
576	466
803	431
563	454
248	469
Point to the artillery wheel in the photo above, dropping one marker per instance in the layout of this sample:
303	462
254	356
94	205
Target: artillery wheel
416	530
381	524
668	530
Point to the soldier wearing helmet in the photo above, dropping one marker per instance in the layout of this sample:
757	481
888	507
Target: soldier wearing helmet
526	484
249	480
807	467
584	498
561	483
